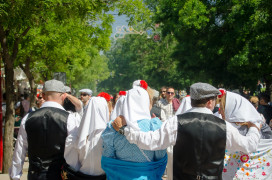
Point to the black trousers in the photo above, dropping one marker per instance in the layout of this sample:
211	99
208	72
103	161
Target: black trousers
44	175
69	173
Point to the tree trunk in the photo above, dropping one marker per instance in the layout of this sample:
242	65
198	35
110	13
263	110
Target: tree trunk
9	120
30	77
33	92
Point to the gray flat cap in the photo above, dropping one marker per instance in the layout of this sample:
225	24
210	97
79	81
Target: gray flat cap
67	89
203	90
87	91
54	85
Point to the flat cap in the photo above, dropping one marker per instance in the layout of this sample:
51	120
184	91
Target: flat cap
67	89
54	85
87	91
203	90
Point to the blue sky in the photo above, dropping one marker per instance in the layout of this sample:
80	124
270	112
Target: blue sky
119	21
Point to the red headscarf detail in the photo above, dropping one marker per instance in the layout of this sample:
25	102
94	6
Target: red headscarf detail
223	91
143	84
122	93
104	95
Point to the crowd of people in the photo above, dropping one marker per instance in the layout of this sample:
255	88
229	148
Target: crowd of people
140	134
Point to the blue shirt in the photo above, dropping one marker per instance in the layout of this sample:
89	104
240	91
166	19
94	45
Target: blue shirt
117	146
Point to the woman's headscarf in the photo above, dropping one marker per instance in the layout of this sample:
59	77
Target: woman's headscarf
239	109
136	106
117	108
185	105
95	118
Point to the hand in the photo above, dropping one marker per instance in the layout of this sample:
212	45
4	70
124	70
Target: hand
250	124
119	122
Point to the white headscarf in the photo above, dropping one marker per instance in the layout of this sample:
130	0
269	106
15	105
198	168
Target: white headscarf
136	106
239	109
184	105
118	107
95	118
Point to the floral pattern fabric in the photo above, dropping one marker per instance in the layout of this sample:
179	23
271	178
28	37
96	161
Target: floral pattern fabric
257	165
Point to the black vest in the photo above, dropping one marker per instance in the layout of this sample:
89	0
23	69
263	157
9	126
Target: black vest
46	131
200	147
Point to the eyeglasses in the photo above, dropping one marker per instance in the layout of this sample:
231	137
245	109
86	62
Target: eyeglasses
83	94
170	93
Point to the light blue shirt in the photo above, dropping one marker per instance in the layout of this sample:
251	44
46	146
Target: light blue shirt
116	145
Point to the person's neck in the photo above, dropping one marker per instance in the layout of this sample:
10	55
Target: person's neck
169	100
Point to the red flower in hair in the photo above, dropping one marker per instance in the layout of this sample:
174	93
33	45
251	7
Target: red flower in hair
122	93
143	84
104	95
222	93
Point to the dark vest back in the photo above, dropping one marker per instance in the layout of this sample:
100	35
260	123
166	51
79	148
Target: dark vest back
46	131
200	147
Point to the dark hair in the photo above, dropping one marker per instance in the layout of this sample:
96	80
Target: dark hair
163	87
26	96
265	97
68	105
170	88
114	99
201	102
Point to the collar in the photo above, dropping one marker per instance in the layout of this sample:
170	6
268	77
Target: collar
52	104
200	110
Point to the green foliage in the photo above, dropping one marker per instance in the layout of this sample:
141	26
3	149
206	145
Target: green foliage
138	57
222	42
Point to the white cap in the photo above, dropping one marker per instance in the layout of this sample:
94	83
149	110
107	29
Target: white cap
87	91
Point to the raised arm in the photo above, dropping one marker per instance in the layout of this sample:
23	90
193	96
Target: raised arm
154	140
238	142
75	101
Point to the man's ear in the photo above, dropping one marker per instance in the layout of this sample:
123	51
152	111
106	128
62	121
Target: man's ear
209	104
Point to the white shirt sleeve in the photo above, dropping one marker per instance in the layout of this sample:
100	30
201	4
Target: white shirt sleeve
19	154
155	140
238	142
70	151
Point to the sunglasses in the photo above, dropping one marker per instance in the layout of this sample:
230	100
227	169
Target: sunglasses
83	94
40	97
170	93
163	92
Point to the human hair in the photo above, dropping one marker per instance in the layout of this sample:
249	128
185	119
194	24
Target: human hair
150	94
201	102
114	100
26	96
265	97
68	105
163	87
170	87
223	103
254	101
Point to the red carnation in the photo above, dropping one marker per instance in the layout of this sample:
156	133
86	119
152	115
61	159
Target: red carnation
222	93
104	95
143	84
122	93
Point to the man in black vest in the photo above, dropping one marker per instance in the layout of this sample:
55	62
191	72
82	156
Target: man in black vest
200	138
42	134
